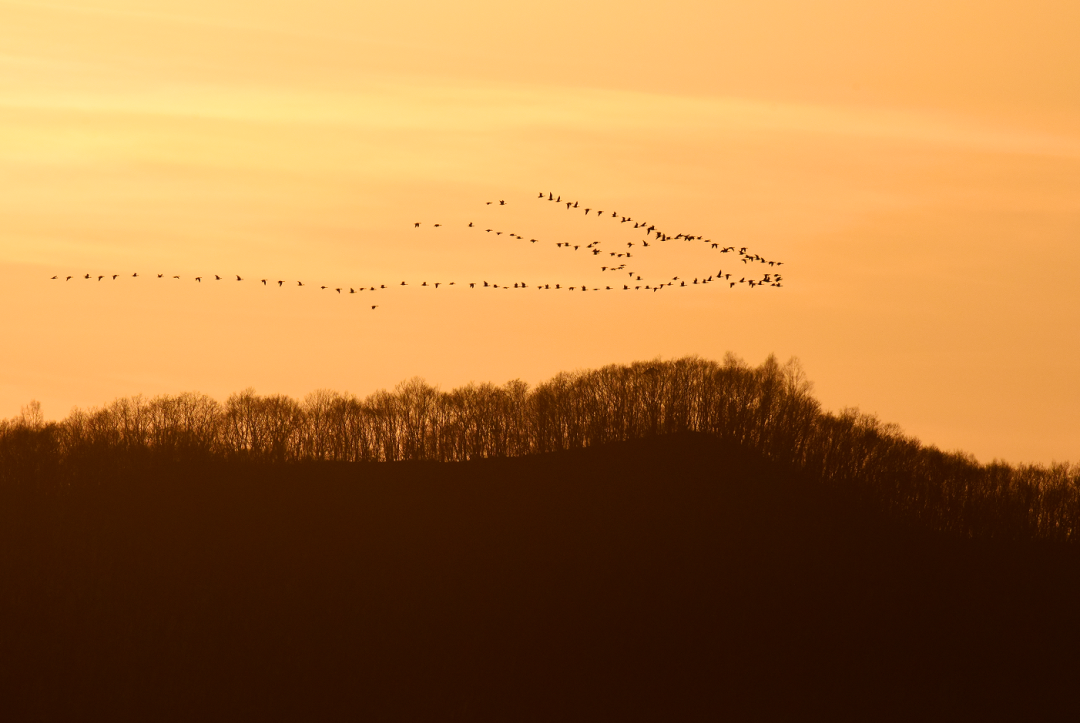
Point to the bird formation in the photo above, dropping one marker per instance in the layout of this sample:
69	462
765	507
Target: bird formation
649	235
617	261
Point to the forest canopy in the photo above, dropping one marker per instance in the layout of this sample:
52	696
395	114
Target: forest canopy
768	409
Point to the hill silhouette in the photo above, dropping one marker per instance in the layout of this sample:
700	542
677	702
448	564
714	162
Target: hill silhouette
674	577
768	409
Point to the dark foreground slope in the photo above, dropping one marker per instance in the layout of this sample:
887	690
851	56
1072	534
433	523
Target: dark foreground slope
667	579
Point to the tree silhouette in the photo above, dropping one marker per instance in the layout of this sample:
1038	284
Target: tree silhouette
769	409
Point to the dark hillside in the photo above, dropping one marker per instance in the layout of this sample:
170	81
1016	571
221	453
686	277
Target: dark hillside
671	578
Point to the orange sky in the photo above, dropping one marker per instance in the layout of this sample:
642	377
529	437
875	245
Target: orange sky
915	164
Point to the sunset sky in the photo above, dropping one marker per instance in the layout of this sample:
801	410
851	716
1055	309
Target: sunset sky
915	165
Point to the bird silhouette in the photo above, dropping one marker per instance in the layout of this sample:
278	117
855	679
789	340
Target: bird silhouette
745	256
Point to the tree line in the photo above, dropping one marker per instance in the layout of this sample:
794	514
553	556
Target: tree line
769	409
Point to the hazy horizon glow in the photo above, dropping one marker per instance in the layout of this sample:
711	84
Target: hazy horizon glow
916	167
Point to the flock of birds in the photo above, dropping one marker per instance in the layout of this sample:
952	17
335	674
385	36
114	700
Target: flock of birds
616	261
